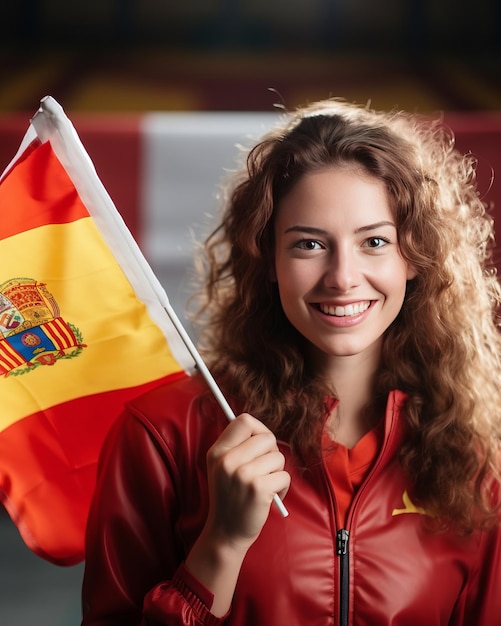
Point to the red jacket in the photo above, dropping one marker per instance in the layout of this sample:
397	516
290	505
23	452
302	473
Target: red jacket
151	503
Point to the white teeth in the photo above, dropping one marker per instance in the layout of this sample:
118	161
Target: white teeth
344	311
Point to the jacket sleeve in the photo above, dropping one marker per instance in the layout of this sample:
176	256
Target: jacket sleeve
483	593
134	573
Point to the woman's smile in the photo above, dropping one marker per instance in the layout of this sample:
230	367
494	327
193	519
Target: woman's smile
344	310
344	315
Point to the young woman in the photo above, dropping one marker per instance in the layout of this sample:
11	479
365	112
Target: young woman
350	317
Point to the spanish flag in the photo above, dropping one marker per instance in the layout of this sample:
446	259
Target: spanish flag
83	328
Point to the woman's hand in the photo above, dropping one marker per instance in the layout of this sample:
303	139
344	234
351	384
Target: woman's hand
245	470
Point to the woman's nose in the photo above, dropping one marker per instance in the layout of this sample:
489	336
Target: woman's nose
342	272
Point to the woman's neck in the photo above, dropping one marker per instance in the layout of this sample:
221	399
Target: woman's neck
356	412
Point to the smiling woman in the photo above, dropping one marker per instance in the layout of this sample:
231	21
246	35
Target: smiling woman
349	312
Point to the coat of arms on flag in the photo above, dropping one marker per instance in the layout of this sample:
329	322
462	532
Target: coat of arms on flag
32	330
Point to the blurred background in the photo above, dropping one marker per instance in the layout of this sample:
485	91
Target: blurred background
131	55
161	92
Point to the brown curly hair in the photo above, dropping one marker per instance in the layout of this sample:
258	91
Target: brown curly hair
443	349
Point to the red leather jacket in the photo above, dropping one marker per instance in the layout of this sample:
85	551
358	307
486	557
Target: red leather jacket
384	569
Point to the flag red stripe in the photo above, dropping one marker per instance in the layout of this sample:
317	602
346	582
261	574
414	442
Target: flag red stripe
42	445
40	193
59	333
9	356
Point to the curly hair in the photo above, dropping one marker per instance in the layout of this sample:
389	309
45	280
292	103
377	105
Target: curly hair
444	347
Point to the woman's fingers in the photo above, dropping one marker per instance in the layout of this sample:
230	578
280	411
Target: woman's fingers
240	430
243	449
246	469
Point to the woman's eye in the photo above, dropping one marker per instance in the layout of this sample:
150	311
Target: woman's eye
308	244
376	242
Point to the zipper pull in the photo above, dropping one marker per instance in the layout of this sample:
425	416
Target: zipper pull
342	541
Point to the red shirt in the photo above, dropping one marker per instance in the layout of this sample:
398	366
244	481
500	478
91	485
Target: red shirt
347	467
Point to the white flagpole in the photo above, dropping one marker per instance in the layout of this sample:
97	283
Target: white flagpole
204	370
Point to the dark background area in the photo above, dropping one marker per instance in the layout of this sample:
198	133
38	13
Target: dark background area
121	57
135	55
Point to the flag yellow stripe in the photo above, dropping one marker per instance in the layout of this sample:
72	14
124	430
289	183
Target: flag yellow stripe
88	285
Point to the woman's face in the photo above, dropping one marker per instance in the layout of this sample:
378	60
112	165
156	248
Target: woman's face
340	274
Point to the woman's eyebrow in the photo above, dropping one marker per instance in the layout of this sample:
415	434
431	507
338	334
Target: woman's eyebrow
375	226
312	230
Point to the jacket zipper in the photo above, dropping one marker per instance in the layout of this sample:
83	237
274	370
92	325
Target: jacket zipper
342	545
343	535
342	551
